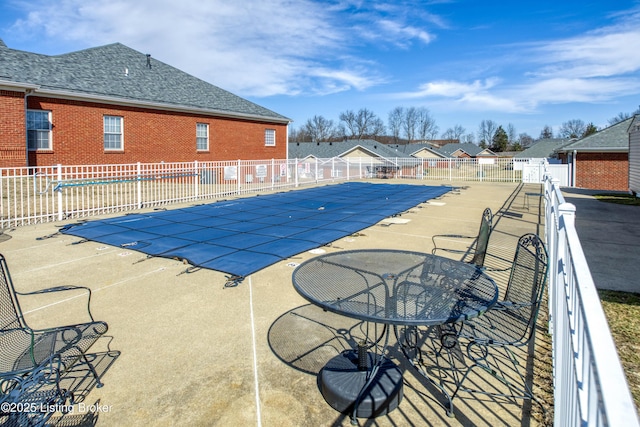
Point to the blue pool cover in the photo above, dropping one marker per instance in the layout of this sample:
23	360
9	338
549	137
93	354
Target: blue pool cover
245	235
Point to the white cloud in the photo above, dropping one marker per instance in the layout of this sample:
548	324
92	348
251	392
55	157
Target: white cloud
251	47
597	66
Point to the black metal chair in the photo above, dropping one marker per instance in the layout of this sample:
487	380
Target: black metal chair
489	339
31	399
479	250
25	351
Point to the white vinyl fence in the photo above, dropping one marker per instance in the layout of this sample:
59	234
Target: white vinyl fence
53	193
590	388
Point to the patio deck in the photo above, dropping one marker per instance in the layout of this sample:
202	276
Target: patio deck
194	352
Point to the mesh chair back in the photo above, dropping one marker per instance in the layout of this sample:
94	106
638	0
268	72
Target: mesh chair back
482	241
9	309
526	284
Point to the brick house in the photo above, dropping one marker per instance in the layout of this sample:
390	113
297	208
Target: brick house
115	105
600	161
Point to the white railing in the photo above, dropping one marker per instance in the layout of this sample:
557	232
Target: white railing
53	193
590	388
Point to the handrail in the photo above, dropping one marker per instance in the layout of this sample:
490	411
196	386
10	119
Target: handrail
590	387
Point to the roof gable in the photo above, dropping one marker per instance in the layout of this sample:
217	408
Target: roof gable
327	150
450	149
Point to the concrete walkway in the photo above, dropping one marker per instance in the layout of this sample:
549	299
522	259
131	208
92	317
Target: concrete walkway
188	351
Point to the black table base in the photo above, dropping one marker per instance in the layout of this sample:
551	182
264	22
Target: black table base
342	381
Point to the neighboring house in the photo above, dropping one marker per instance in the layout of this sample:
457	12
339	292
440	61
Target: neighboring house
467	150
634	155
348	148
543	149
379	159
423	151
112	104
600	161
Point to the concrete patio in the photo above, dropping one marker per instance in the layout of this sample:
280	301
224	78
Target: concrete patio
186	350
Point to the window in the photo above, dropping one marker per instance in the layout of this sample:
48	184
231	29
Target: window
270	137
202	136
112	133
38	130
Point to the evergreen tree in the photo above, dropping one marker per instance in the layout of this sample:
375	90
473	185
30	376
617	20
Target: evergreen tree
500	140
590	130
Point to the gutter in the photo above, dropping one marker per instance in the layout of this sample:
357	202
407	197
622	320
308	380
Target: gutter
63	94
26	131
596	150
34	89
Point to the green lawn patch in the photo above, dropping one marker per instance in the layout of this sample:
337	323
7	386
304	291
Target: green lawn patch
619	198
622	310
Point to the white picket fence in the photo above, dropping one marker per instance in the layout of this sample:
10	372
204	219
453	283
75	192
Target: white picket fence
53	193
590	388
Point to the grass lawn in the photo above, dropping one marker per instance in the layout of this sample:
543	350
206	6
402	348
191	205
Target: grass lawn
619	198
622	310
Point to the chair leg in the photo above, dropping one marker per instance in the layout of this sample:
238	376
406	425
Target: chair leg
411	341
93	371
480	357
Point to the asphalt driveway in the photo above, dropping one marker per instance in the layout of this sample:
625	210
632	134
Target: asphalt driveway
610	237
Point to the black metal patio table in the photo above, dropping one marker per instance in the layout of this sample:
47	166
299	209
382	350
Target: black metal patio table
394	288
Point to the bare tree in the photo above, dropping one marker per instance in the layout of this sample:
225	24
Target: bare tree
410	123
486	132
455	132
546	132
512	135
574	128
395	123
622	117
525	140
298	135
362	124
469	138
426	124
320	129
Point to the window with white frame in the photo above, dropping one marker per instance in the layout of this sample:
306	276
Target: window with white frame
112	133
202	137
270	137
39	130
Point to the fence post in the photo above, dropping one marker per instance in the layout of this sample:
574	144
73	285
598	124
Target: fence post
60	199
238	176
196	179
139	184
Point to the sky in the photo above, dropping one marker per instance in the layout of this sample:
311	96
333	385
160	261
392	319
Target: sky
530	64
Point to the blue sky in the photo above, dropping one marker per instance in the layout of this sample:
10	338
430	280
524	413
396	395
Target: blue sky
526	63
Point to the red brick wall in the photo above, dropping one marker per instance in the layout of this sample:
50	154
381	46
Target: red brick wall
149	136
602	171
13	139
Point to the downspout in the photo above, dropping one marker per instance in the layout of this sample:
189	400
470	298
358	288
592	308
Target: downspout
573	167
26	131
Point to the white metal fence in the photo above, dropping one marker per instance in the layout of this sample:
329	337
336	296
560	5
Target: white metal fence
590	388
52	193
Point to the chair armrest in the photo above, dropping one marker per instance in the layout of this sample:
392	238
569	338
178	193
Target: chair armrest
448	236
61	289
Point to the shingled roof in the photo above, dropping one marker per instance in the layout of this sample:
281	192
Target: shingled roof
614	138
118	74
544	148
326	150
